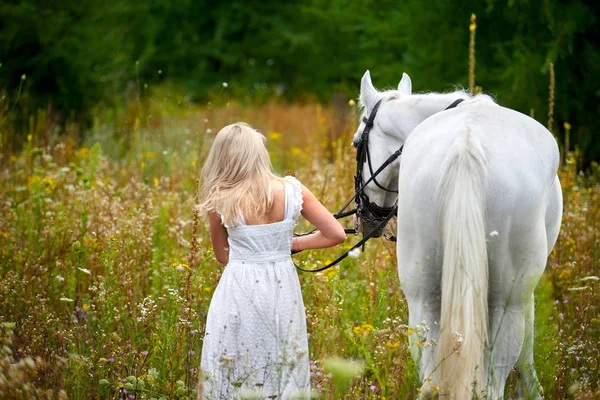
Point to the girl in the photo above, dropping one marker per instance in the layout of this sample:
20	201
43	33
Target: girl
255	340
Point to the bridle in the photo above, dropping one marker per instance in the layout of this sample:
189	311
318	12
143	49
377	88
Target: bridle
365	209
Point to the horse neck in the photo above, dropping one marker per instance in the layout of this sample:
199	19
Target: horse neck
432	103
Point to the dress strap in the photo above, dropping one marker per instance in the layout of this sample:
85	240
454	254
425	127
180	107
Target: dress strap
293	198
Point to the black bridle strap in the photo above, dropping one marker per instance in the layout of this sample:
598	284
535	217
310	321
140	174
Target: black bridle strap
342	213
454	104
356	246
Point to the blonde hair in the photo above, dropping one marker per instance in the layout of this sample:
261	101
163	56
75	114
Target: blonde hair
237	175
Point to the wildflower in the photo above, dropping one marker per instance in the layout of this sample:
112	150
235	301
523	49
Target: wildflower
392	345
145	352
66	300
225	84
589	278
436	388
578	289
354	253
180	266
85	271
351	103
494	233
567	126
23	77
274	135
49	184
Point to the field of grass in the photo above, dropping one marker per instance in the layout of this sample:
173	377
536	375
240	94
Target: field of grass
102	298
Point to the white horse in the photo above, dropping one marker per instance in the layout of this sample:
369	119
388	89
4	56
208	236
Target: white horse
479	210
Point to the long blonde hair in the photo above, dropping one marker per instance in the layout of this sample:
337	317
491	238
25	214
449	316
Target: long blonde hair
237	175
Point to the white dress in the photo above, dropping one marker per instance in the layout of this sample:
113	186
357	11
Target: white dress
255	343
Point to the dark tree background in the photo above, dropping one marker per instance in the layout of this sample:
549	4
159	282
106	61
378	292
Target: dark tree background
78	55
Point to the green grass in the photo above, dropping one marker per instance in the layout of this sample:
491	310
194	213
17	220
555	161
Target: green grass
95	243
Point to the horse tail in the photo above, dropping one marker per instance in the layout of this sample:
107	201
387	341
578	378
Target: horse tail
464	309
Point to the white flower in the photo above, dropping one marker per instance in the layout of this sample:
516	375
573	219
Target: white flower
225	84
354	253
578	289
66	300
85	271
494	233
590	278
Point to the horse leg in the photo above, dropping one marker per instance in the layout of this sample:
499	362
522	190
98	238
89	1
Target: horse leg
529	386
418	272
513	279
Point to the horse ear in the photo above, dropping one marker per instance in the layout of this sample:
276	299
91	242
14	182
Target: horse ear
405	85
368	93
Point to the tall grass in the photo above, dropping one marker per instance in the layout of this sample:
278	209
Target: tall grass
101	298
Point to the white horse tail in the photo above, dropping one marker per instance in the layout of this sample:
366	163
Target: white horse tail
464	323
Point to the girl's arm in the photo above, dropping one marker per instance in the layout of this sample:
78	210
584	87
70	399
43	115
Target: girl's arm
218	238
330	231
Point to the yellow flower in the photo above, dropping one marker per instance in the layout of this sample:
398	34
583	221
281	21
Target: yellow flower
392	345
49	184
296	150
436	388
368	327
31	180
156	182
274	135
564	274
180	265
351	103
83	153
472	27
567	126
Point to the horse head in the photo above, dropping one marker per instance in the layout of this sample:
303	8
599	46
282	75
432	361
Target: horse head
380	134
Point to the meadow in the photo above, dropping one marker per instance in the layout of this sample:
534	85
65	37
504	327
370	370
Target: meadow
107	272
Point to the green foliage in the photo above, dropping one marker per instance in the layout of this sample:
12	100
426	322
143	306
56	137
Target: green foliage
78	55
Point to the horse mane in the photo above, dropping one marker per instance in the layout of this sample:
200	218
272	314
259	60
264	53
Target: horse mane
393	94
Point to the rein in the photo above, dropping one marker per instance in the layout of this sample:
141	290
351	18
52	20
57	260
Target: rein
362	201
